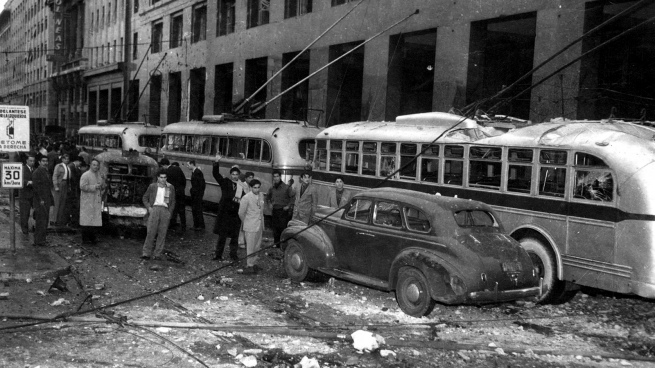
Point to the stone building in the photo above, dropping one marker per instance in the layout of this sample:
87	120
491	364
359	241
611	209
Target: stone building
164	61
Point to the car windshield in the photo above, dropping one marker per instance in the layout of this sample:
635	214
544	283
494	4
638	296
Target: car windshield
475	218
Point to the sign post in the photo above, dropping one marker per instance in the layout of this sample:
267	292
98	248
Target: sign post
14	137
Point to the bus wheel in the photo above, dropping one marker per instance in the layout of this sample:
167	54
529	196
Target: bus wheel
295	263
412	293
543	259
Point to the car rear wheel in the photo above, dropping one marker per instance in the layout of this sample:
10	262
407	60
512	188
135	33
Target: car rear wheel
295	263
544	260
412	293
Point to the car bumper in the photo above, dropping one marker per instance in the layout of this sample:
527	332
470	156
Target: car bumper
503	295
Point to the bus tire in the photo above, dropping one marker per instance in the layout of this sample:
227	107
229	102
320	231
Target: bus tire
412	292
543	258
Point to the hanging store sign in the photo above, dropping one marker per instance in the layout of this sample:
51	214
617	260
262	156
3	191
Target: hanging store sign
58	16
14	128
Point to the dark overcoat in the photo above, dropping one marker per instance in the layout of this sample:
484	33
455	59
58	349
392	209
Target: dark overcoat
228	222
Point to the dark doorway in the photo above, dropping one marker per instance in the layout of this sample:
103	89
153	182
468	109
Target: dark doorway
116	100
410	79
155	100
295	102
133	101
197	94
345	80
223	79
103	105
501	51
174	97
618	79
256	76
93	107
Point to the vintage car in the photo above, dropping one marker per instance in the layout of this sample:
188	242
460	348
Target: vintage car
426	248
127	175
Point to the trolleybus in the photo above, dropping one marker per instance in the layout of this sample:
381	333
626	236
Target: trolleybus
135	136
576	194
256	145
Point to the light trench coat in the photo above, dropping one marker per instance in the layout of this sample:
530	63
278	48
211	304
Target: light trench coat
90	199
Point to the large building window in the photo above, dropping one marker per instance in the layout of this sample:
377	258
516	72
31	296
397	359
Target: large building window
157	33
174	97
294	104
339	2
223	79
410	76
294	8
256	76
197	92
225	18
176	30
258	12
617	79
135	46
501	51
199	22
155	101
345	81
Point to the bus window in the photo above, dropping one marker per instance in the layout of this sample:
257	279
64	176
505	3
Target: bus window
335	155
552	157
407	161
552	181
369	158
214	146
453	169
237	148
266	152
585	159
430	164
360	210
201	145
148	141
519	177
483	171
320	163
594	185
223	146
352	157
254	149
387	159
306	149
189	144
112	141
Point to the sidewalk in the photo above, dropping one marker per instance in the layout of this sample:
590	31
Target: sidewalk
29	262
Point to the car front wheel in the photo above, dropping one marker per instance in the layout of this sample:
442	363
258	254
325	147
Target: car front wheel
412	293
295	263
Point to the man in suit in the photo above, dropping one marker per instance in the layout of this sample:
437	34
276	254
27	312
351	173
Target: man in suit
42	184
26	195
159	199
251	213
60	180
339	196
306	199
197	192
178	180
73	200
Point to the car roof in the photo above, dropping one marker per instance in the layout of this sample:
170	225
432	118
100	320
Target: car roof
425	201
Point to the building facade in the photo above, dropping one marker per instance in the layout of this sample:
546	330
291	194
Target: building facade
165	61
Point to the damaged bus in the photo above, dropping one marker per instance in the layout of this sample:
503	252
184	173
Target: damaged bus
575	194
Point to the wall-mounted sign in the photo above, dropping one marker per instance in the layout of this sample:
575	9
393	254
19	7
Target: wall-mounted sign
14	128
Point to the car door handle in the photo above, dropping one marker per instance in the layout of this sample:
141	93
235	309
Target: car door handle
366	234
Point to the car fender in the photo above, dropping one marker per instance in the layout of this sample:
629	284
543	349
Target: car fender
434	267
315	243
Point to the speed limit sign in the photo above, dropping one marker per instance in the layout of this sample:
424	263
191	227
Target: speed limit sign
12	175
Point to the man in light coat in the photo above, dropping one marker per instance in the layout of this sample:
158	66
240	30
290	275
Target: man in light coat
60	179
92	185
306	199
251	213
159	199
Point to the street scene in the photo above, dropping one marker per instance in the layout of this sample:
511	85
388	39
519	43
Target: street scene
327	183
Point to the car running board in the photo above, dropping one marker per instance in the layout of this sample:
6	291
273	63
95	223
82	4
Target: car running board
356	278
